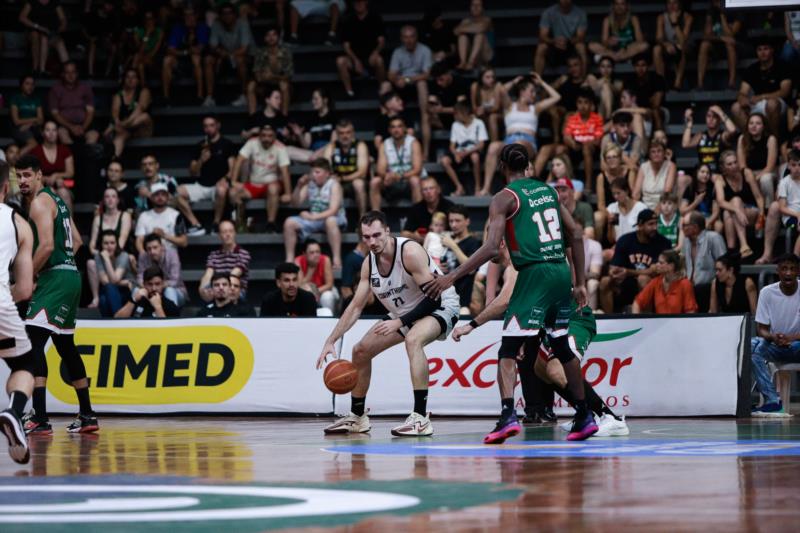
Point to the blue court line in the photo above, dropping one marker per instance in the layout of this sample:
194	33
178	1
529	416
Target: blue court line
590	448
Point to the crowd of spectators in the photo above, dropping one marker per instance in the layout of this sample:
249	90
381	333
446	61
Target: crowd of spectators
663	236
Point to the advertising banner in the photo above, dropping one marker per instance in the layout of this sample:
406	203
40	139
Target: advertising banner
684	366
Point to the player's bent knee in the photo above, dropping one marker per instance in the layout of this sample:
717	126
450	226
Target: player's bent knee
555	373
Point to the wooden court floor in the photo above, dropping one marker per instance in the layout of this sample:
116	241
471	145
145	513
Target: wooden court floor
258	474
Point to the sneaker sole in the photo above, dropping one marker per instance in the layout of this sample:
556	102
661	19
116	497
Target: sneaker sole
397	433
584	433
501	438
84	429
613	433
344	431
771	415
17	444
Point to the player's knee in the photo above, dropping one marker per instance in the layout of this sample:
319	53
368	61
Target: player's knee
561	349
555	373
360	354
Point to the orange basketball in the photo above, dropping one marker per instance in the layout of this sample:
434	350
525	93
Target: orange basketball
340	376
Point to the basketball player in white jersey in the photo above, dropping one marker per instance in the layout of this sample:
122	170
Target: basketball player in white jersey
395	271
16	248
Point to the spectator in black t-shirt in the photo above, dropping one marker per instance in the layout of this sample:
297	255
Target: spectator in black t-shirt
363	38
212	164
419	215
149	301
648	87
221	306
391	106
351	267
766	85
127	193
271	114
460	245
288	300
240	306
444	90
633	264
319	128
437	33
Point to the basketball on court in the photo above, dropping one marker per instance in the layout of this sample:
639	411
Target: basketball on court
340	376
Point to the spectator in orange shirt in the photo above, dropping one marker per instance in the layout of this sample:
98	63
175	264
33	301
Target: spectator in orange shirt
583	132
670	292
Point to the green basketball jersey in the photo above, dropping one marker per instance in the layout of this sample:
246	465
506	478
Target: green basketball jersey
63	255
670	231
533	232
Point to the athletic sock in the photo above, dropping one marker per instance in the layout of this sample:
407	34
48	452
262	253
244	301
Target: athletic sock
581	409
17	402
595	402
508	407
421	401
357	405
566	394
40	402
84	401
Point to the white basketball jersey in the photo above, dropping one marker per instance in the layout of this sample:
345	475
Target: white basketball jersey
398	292
8	249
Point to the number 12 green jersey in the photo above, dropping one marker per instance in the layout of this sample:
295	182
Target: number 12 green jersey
533	231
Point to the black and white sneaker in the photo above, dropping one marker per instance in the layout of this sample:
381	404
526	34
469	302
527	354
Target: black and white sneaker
11	426
84	424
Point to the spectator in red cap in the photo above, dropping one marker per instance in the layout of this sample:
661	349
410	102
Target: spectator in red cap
579	210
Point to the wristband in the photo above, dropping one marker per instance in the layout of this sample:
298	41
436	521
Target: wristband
473	324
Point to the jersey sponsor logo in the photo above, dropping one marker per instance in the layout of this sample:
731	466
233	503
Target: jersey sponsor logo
376	282
546	199
391	292
156	366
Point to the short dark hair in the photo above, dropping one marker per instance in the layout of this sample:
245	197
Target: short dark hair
395	119
286	268
514	157
573	57
150	237
440	69
310	242
220	275
28	161
621	184
640	57
459	209
344	123
622	117
106	233
788	258
698	219
153	272
794	155
212	116
462	106
372	216
322	163
731	260
586	93
385	97
272	27
25	77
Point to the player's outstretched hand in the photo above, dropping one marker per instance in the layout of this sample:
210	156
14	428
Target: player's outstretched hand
437	286
461	331
579	293
328	349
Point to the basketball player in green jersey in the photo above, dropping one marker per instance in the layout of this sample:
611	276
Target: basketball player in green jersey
52	309
537	230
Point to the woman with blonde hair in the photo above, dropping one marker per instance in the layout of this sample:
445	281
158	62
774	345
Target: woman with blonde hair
613	167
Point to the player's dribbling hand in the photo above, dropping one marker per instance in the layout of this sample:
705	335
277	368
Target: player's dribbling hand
387	327
461	331
328	349
579	293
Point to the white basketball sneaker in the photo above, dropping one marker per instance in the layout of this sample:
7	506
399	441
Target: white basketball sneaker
350	423
567	426
612	427
415	425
